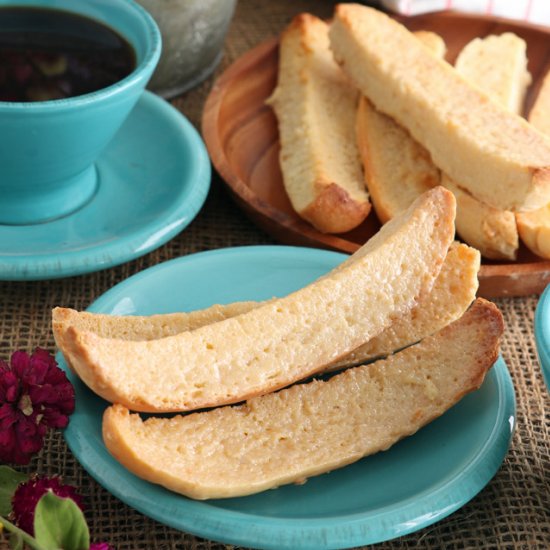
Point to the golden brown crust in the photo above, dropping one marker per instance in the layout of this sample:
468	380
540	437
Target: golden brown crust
487	313
315	107
61	319
333	210
302	24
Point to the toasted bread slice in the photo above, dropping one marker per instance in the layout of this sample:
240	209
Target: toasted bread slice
495	155
534	227
498	65
315	108
397	168
534	230
539	116
435	43
285	340
492	231
453	291
313	428
141	327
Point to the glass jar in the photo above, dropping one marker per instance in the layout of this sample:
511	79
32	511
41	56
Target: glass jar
193	32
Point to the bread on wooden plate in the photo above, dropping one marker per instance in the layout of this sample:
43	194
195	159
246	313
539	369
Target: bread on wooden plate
313	428
282	341
491	230
534	227
539	115
498	66
435	43
315	108
496	155
534	230
397	168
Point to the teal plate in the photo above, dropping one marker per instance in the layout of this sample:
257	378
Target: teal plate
542	334
153	179
414	484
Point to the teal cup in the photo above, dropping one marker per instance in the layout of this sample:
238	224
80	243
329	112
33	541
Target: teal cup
48	148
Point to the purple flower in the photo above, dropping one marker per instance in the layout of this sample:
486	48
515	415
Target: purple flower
35	395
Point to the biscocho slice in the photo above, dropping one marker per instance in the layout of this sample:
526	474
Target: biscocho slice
312	428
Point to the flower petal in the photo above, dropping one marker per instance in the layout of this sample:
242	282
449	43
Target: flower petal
20	363
41	364
9	387
8	416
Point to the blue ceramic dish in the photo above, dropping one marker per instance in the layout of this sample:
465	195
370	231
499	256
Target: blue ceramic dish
542	334
417	482
154	178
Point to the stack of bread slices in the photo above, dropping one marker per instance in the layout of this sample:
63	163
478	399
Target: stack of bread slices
368	111
393	326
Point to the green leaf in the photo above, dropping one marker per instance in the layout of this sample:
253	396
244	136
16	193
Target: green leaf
59	524
9	480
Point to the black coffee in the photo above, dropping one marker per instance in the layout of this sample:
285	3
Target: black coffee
52	54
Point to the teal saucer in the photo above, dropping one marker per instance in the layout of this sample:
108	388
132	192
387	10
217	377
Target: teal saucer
417	482
153	179
542	334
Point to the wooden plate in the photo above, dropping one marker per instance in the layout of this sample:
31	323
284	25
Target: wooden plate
241	135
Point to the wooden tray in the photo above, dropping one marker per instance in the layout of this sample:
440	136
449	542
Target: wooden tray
241	135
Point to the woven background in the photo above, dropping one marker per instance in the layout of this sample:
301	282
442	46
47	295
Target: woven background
513	511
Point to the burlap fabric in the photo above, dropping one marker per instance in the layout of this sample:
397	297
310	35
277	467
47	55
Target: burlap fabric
513	511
